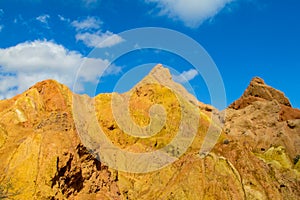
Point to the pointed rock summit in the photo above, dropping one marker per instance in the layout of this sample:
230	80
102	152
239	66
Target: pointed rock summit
259	91
257	80
158	74
161	72
161	75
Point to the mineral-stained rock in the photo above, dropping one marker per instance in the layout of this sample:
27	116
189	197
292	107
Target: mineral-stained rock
265	123
257	91
44	157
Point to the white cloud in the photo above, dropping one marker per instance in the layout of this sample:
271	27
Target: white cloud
90	33
62	18
23	65
19	19
43	18
191	12
90	3
99	39
185	76
87	24
1	14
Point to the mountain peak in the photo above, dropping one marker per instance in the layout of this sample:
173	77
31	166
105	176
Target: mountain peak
161	75
257	80
161	72
259	91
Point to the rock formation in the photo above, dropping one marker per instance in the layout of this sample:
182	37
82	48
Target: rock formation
44	157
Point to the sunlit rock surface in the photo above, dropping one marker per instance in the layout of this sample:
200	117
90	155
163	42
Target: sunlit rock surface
44	157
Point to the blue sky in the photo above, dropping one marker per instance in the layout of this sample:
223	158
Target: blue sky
244	38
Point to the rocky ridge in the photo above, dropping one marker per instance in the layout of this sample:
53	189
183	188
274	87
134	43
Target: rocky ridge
43	157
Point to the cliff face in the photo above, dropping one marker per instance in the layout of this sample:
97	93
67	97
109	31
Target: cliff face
49	149
40	152
263	124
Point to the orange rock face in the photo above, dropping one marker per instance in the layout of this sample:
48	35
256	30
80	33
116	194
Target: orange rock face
258	91
43	156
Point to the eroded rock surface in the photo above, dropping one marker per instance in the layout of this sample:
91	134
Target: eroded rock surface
256	156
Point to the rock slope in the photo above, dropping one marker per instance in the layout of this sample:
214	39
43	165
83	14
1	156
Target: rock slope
44	157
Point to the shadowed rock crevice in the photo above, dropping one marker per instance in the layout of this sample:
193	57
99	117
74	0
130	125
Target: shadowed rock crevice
81	174
68	179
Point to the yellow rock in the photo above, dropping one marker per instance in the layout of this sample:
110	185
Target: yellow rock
44	157
277	156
